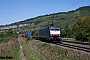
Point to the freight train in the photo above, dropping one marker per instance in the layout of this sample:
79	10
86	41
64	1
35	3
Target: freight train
49	33
26	34
46	33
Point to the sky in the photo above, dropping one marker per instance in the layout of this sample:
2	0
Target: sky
18	10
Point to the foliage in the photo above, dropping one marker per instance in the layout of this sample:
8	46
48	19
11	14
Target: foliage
9	32
12	49
67	32
81	28
52	52
30	53
35	33
59	19
8	35
58	16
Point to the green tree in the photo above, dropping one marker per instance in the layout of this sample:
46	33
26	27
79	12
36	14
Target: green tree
81	28
35	33
1	35
67	31
9	32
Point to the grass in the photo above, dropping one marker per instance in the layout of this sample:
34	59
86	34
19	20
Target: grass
29	53
72	40
5	39
12	50
53	52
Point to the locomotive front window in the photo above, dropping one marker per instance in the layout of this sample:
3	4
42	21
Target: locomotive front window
54	29
57	29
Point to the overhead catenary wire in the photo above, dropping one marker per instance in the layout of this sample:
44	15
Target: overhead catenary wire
67	5
73	5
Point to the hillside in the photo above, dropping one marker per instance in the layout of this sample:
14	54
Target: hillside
60	18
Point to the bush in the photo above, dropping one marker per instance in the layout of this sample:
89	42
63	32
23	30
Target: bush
81	28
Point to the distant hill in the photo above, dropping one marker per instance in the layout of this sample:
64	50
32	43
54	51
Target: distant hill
60	19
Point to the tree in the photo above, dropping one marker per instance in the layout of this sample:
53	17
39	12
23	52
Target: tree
67	31
1	35
81	28
9	32
35	33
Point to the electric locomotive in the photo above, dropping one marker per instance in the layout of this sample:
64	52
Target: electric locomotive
50	33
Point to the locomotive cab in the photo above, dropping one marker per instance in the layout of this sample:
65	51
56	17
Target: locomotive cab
50	33
55	32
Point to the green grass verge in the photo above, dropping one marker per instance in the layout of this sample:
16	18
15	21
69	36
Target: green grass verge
29	53
53	52
11	51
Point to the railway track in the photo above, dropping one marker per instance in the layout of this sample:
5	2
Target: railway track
75	45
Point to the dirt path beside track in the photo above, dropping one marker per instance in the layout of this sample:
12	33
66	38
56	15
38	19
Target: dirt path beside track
21	51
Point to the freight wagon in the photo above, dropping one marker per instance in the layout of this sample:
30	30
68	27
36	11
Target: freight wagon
26	34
